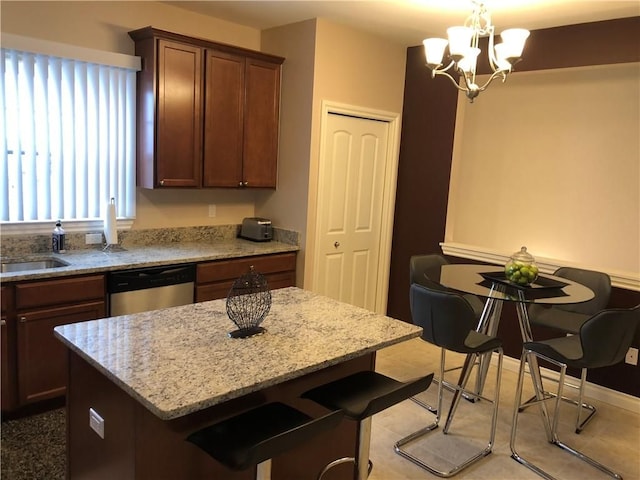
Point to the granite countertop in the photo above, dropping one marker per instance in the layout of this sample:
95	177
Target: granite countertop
95	261
180	360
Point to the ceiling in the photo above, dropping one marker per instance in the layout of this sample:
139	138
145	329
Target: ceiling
410	21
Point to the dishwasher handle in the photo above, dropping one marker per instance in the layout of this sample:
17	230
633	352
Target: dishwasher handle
151	277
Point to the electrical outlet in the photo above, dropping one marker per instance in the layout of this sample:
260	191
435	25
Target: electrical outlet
96	422
212	210
92	238
632	356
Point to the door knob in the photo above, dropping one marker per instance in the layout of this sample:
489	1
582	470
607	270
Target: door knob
337	244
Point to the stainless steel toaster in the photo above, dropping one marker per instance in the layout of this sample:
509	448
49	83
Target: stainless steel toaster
257	229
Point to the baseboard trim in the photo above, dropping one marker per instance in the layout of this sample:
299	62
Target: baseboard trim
591	390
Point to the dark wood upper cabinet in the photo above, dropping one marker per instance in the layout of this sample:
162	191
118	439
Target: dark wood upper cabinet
224	112
208	113
179	118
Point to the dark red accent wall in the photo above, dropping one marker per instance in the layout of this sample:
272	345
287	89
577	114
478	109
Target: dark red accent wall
428	124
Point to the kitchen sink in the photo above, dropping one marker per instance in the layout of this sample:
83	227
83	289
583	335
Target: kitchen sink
9	266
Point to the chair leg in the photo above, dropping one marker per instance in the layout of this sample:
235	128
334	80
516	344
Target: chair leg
425	430
554	427
361	463
580	404
464	378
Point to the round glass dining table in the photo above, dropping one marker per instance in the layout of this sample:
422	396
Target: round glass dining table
488	282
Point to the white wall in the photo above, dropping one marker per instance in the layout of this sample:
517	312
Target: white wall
551	160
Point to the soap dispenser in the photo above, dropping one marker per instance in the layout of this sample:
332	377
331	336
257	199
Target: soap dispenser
58	238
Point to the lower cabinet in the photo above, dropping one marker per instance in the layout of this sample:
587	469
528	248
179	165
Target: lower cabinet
4	364
42	358
41	306
214	279
7	349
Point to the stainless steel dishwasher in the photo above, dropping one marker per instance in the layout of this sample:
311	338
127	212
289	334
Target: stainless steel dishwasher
152	288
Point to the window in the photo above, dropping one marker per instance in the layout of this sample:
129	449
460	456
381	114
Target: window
67	138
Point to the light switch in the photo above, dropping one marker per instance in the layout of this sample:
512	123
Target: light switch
96	422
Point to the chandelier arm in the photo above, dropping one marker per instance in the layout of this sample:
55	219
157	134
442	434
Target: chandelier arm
437	70
499	73
491	51
441	72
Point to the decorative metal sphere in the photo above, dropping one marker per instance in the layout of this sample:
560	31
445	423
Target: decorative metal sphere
248	303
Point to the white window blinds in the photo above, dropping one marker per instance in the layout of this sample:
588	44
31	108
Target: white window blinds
67	138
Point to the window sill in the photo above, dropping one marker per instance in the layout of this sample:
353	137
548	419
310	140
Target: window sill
46	227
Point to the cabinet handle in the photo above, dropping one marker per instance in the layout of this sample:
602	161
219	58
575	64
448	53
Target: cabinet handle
240	183
336	244
23	319
162	183
245	183
3	323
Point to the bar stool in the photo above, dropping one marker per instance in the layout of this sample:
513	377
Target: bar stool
360	396
603	340
420	266
569	319
448	321
256	436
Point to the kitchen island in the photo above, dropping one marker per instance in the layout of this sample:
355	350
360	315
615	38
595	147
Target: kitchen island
155	377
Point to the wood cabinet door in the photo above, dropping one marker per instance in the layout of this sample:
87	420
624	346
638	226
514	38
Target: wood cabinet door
261	117
223	119
6	392
179	115
42	358
7	348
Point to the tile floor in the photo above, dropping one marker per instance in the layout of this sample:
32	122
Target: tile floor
612	437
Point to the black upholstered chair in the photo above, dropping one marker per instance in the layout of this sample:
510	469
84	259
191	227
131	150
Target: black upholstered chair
449	322
360	396
602	341
569	318
254	437
419	266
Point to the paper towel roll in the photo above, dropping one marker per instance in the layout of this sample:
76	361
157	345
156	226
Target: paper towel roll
110	225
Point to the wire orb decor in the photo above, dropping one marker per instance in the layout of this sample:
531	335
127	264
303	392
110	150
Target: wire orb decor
248	303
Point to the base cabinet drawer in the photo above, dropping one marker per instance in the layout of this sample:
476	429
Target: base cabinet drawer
215	291
215	279
59	291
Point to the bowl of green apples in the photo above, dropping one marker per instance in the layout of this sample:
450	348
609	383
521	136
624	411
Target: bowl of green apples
521	269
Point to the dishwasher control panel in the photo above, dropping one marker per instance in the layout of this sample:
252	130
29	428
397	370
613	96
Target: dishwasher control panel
150	277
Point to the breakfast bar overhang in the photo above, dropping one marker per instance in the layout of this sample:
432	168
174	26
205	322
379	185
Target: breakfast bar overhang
152	378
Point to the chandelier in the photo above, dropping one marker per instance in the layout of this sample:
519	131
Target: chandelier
464	50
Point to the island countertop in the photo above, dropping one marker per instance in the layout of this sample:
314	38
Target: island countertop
181	360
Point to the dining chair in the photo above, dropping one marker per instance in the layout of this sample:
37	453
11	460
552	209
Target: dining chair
602	341
419	266
568	319
448	321
419	270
